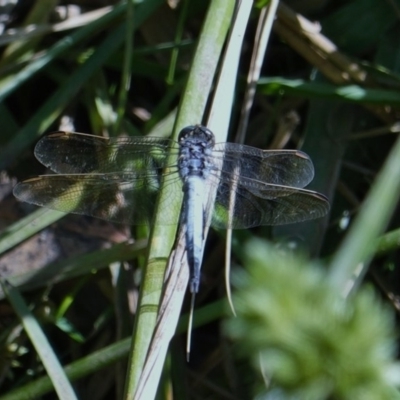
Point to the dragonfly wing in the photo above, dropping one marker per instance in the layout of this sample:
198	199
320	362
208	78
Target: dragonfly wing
247	203
124	198
280	167
78	153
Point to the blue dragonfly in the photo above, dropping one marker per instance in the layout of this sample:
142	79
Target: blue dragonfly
226	185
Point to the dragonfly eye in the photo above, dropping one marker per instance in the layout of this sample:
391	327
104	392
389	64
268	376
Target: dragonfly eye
186	132
198	132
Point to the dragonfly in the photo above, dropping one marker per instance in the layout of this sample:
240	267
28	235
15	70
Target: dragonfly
225	185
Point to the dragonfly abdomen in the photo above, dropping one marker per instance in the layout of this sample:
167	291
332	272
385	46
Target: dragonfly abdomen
195	164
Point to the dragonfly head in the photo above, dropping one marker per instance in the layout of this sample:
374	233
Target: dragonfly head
197	133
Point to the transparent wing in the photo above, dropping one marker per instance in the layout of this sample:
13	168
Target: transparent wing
262	187
279	167
126	198
116	179
79	153
246	203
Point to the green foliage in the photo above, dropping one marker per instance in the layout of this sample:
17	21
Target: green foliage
311	342
122	70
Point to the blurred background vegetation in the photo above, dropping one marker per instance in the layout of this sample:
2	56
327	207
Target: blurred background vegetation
319	329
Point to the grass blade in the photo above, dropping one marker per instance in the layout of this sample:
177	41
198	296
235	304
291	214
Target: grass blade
40	342
190	112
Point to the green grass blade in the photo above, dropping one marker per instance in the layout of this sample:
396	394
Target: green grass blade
190	112
77	265
350	262
28	226
126	67
388	242
40	342
47	114
105	357
78	369
348	93
13	82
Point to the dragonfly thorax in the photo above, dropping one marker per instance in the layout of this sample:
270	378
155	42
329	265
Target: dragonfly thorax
195	151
